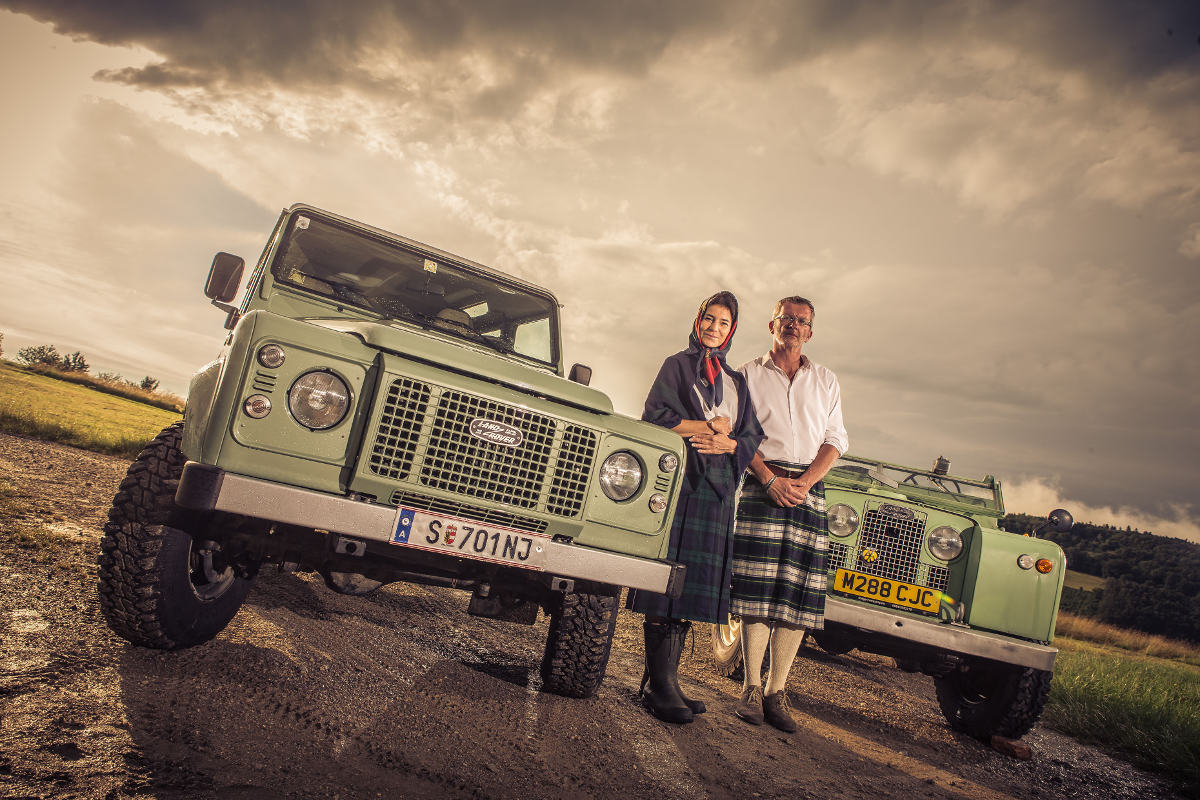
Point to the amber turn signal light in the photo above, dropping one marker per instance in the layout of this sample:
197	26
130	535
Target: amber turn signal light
1044	565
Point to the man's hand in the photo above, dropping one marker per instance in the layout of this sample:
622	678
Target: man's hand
713	444
788	492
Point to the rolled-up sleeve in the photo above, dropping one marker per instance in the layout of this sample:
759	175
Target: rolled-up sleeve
835	429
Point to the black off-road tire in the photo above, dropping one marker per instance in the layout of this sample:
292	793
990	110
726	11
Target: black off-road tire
578	643
152	589
987	698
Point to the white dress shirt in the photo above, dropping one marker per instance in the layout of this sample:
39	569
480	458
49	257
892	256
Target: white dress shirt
798	416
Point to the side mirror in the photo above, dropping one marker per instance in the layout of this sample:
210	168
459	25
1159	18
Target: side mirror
1059	520
581	374
224	277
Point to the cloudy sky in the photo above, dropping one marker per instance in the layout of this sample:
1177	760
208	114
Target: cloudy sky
995	206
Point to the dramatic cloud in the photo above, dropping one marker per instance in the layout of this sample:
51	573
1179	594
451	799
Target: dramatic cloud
994	204
1039	496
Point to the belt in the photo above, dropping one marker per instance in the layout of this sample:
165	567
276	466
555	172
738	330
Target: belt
783	472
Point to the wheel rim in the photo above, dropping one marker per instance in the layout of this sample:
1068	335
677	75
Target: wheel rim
209	581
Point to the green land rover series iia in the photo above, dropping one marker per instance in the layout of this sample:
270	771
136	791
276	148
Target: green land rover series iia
919	570
384	411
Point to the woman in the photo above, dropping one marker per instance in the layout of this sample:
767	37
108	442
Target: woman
699	397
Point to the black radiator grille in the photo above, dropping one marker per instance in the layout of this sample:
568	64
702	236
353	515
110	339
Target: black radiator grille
895	535
425	433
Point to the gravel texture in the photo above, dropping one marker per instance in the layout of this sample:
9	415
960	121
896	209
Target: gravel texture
400	694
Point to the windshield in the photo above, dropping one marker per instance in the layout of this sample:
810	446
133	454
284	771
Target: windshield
356	268
907	478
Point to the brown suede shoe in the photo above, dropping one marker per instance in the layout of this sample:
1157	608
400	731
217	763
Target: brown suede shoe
775	711
750	707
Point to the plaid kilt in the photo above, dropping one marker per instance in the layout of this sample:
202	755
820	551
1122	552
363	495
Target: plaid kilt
701	538
781	558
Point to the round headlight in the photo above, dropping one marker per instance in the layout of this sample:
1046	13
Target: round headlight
1025	561
271	356
945	543
319	400
621	476
668	462
257	406
658	503
843	520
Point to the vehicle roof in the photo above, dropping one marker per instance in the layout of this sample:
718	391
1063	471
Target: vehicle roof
437	253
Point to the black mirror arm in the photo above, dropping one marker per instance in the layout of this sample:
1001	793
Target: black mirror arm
232	315
1059	520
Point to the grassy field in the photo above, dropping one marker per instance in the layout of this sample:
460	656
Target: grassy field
120	388
1146	708
1145	644
48	408
1080	580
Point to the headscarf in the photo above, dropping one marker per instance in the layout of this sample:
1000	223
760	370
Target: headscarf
711	360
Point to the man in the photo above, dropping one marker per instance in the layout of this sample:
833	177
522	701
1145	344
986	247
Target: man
781	538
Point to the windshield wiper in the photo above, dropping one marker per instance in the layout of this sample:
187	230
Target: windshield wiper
876	473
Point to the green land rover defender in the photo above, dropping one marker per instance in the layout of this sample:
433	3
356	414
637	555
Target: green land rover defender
919	570
384	411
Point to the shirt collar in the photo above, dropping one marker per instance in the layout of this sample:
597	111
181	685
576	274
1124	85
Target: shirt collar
769	363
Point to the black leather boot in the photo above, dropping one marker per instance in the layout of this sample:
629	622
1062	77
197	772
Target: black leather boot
697	706
660	682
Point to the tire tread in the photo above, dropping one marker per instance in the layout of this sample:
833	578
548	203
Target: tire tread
132	540
578	644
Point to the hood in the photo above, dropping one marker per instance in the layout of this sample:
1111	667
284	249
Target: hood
462	356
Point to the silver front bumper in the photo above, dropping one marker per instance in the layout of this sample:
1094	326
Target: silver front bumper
205	488
954	638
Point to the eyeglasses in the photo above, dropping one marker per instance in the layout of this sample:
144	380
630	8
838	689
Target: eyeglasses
788	319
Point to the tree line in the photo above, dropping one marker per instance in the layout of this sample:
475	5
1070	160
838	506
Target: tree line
47	356
1151	583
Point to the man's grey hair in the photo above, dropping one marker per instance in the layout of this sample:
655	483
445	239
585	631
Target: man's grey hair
797	300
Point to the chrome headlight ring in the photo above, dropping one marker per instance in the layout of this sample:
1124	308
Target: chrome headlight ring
621	475
319	400
945	543
843	520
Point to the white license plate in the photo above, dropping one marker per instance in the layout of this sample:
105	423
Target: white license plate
468	539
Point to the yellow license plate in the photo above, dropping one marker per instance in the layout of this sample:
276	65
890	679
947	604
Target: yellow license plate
896	593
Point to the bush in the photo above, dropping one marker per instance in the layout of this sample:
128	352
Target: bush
149	384
75	362
43	354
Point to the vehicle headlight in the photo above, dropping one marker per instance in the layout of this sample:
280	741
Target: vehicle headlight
843	520
668	462
319	400
945	543
621	476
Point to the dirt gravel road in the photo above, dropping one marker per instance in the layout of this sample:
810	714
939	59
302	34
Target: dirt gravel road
400	694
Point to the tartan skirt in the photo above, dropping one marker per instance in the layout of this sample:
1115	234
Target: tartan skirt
781	558
702	539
